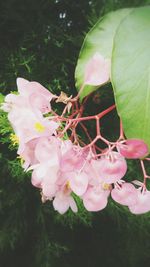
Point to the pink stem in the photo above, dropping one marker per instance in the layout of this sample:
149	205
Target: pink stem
97	126
86	131
100	115
144	172
121	130
78	95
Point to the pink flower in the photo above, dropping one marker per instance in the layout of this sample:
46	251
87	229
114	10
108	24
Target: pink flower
125	194
63	201
72	168
133	149
110	168
97	70
32	95
73	159
78	182
137	200
96	197
62	168
46	171
29	125
142	204
38	96
46	180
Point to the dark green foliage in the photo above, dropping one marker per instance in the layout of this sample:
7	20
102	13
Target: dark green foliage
37	43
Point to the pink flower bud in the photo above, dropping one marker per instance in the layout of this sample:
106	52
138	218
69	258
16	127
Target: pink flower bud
63	201
97	70
133	149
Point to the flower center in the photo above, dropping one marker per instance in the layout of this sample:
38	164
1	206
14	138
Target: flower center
66	187
39	127
106	186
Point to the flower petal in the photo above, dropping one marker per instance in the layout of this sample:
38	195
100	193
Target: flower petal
125	195
78	183
95	200
97	70
133	149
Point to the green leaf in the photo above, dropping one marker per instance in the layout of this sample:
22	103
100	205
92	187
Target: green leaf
131	73
99	39
1	98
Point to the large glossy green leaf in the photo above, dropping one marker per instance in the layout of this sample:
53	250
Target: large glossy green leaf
99	39
131	73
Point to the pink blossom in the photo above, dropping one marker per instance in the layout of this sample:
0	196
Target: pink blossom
45	177
78	182
31	95
97	70
142	204
96	197
133	148
72	167
29	125
45	172
63	201
125	194
110	168
62	168
137	200
73	159
38	96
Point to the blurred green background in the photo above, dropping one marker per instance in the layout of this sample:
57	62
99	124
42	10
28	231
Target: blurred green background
41	40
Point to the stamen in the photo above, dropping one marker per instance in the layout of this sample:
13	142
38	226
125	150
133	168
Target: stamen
39	127
106	186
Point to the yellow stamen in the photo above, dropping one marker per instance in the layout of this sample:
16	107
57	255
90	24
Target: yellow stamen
14	139
106	186
66	187
39	127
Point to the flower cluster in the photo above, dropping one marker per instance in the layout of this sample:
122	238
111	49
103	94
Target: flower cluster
62	164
